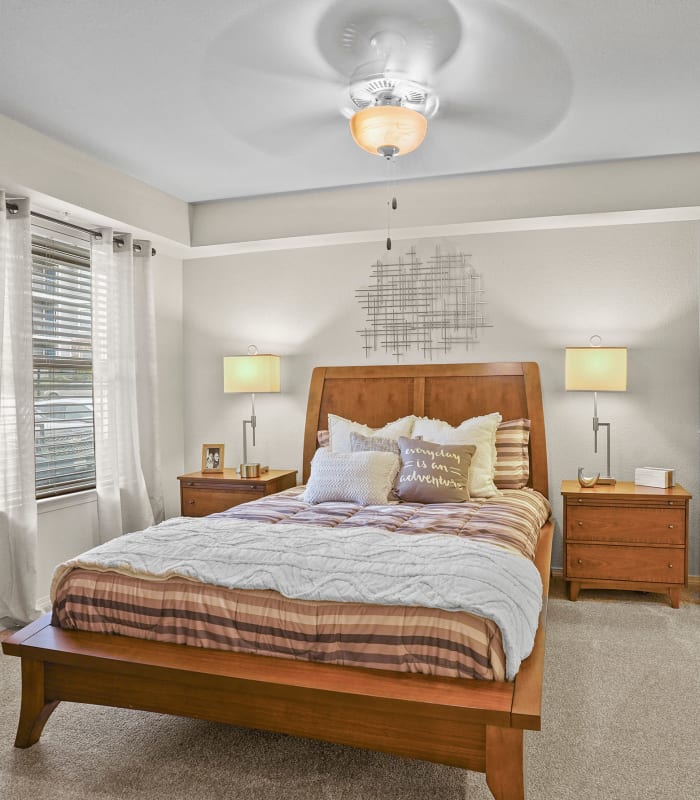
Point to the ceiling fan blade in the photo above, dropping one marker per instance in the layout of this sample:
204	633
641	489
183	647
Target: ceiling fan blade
298	136
273	114
273	39
515	122
477	142
508	79
414	37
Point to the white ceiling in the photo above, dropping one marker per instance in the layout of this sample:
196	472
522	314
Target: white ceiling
231	98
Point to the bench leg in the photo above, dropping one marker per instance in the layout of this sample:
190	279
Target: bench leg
35	710
505	763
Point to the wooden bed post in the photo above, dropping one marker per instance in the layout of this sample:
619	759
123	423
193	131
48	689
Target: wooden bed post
35	709
505	768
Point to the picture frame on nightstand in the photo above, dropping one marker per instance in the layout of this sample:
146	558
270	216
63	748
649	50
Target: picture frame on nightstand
212	458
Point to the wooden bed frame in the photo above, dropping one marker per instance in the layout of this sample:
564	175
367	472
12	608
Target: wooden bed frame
477	725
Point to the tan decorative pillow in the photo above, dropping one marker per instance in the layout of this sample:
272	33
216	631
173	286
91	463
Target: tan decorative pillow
512	454
434	473
479	431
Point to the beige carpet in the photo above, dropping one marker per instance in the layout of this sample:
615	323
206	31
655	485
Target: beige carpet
622	722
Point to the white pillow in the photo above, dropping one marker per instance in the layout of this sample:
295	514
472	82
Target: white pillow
365	477
479	431
339	430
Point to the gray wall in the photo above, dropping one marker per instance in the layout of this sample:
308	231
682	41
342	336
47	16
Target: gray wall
635	285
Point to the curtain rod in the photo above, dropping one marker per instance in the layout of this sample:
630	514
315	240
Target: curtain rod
13	208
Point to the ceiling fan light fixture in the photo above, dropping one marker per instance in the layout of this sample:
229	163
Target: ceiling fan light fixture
388	130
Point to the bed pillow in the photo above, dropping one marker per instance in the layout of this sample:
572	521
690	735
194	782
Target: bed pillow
512	454
323	438
365	478
434	473
340	429
479	431
360	443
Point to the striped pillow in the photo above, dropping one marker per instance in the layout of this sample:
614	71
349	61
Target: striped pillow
512	454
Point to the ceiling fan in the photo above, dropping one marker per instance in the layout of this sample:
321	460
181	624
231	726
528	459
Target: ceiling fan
391	52
283	75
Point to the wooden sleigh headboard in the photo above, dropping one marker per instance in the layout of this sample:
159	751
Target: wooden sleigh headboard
375	395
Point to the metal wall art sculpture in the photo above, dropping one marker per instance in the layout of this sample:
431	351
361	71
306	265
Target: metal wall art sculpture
425	307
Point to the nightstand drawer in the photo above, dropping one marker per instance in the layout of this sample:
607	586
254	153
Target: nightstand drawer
614	524
200	502
608	562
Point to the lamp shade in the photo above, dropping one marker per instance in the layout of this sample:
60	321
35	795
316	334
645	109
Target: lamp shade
390	127
258	373
596	369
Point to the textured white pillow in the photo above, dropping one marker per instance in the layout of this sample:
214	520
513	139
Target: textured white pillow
365	478
479	431
339	430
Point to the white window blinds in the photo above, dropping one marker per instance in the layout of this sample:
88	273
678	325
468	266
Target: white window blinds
62	354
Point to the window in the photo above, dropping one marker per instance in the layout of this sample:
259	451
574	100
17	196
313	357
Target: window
64	435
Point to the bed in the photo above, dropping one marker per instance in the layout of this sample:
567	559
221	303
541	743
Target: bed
473	724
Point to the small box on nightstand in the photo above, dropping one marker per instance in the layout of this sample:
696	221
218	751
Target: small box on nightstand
660	477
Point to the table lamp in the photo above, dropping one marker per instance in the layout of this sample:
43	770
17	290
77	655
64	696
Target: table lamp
256	372
597	369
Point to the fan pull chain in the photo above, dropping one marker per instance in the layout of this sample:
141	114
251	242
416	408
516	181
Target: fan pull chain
388	225
392	204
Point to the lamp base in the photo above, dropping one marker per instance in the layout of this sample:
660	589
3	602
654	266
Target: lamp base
249	470
606	481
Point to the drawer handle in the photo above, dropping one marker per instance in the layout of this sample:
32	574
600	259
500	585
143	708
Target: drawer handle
670	502
580	524
579	561
189	483
670	527
670	566
580	500
191	502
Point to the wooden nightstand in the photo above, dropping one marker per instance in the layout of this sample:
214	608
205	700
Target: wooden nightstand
203	493
625	537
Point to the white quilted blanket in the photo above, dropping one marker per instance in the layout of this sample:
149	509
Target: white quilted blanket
364	565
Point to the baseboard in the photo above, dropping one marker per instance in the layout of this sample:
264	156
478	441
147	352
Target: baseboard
693	580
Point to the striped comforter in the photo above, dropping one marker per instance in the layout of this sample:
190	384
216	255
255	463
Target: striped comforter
432	641
511	521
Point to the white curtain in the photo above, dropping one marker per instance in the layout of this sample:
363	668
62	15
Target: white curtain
18	509
147	376
129	494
